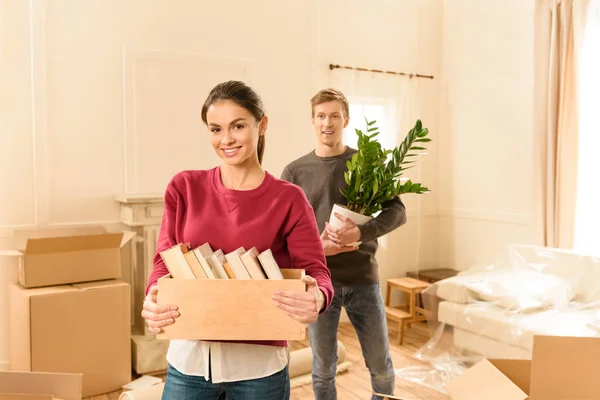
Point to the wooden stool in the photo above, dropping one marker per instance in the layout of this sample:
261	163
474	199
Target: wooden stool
403	314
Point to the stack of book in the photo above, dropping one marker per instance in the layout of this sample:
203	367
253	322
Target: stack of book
204	263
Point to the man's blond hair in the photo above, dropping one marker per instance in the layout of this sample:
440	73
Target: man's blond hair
330	94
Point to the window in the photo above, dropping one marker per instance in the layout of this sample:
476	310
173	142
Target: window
380	110
587	213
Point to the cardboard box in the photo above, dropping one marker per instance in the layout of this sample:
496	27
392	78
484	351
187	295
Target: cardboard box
80	328
560	368
148	354
57	256
39	386
230	309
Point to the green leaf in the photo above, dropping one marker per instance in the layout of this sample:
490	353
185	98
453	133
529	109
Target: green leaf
373	172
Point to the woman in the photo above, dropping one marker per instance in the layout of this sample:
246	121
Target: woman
233	205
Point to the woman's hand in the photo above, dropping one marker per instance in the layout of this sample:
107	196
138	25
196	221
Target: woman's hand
302	306
157	316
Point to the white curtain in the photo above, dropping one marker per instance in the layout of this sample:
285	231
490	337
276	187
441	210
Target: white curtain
559	37
587	216
391	99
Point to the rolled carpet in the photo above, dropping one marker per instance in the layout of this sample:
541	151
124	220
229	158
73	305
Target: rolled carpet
150	393
301	365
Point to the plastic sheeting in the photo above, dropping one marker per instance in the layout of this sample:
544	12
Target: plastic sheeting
495	311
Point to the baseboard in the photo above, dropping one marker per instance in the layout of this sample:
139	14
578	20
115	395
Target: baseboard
4	365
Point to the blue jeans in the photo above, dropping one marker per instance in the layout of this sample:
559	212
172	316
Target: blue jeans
365	308
187	387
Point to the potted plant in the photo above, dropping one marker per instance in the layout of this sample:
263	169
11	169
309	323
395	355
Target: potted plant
374	174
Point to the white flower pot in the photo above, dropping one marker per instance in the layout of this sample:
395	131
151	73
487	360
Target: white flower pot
357	218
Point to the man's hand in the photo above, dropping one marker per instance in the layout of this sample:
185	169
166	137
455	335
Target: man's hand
346	234
330	248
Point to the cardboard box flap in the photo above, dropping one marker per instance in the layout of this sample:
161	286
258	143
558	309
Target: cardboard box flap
6	396
73	243
292	273
468	386
64	386
21	236
42	291
518	371
127	236
10	253
98	284
565	368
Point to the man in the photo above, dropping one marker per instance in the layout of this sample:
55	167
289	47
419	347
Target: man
354	271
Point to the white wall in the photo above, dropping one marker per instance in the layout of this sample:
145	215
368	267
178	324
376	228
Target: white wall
87	111
486	129
101	77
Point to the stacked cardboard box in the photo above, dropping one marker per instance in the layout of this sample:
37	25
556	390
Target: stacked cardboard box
68	311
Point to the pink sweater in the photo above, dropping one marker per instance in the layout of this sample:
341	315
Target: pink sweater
276	215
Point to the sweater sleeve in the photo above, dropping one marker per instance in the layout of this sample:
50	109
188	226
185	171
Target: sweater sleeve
166	237
392	217
306	251
287	175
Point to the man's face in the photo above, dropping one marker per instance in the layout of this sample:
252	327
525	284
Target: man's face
329	121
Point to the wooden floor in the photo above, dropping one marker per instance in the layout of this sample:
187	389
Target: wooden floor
355	383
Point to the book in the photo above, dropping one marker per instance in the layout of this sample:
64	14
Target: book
202	252
206	267
229	271
250	260
195	265
269	265
205	249
216	261
236	264
174	259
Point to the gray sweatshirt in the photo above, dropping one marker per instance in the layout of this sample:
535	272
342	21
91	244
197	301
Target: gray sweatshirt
321	178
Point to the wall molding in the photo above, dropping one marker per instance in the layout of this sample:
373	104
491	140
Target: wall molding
39	108
131	56
317	68
476	215
4	365
488	216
